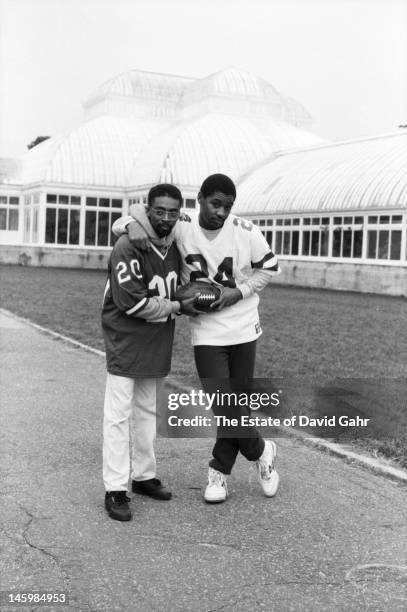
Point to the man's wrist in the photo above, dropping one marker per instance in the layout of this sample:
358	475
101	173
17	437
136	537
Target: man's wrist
177	307
244	289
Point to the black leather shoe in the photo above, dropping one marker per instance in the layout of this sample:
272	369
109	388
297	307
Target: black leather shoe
117	505
153	488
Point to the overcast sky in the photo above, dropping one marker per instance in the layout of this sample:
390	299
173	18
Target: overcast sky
345	60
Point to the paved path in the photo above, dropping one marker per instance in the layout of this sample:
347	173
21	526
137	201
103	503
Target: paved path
334	538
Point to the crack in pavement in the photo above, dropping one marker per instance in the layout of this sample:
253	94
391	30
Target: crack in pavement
74	598
231	603
310	583
215	545
187	541
42	550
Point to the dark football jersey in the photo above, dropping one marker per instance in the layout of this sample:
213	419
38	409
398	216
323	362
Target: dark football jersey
135	347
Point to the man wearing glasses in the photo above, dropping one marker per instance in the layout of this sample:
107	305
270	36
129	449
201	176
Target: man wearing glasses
138	330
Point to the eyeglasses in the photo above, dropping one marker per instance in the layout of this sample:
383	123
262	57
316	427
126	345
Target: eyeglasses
169	214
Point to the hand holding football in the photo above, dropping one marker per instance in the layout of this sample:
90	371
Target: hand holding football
204	294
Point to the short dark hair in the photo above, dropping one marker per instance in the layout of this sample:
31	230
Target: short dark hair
164	189
218	182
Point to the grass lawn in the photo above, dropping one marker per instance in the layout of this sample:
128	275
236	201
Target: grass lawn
306	332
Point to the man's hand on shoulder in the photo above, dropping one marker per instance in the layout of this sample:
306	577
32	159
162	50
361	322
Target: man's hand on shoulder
138	236
228	297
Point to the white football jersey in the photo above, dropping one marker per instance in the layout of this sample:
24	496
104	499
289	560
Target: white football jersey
228	260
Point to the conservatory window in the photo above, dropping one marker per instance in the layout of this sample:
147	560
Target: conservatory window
101	213
62	219
347	237
9	209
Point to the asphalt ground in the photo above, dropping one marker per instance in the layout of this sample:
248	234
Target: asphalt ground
333	539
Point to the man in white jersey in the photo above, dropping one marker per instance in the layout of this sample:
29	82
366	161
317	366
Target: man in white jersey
231	252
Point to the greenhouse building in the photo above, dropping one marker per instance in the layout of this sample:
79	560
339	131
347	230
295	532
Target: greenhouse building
335	213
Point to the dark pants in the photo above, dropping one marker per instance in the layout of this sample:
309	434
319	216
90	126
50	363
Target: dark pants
228	369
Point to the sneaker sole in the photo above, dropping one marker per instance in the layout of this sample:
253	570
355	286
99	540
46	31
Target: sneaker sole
119	518
152	496
215	501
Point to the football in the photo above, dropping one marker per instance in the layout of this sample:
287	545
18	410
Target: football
205	297
204	294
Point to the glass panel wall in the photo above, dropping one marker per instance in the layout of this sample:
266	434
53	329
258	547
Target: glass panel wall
62	218
100	214
342	237
384	235
9	212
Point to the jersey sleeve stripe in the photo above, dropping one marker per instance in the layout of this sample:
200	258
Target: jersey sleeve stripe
269	262
107	287
141	304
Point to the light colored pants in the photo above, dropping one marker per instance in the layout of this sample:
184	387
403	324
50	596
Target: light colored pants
129	414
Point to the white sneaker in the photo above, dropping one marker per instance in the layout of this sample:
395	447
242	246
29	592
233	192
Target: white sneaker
216	490
266	473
